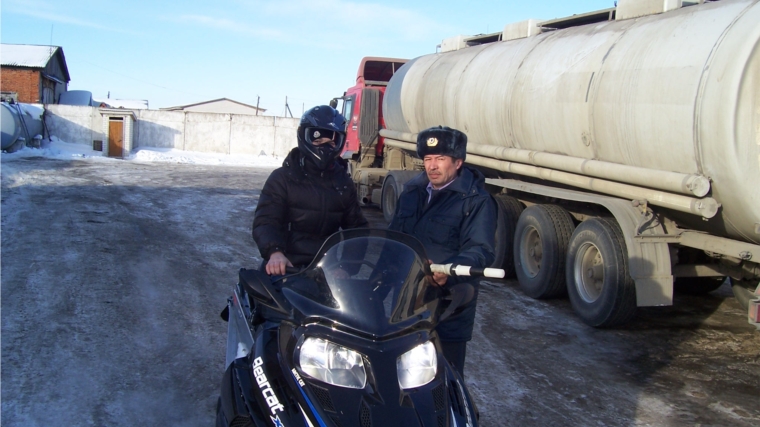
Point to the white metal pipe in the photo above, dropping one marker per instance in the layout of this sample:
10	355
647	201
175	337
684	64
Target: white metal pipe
706	207
688	184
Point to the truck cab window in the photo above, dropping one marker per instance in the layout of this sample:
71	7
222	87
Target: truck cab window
348	108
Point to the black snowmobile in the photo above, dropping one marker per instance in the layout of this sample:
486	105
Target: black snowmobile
348	341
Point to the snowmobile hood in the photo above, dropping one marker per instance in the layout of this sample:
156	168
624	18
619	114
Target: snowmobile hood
371	282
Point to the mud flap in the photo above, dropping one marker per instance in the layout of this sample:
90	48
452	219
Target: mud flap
753	311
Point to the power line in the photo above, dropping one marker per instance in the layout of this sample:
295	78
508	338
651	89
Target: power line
142	81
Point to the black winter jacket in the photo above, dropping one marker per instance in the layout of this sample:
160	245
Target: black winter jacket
457	226
300	206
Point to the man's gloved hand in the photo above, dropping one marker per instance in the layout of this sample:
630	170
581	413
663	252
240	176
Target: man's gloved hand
439	278
277	263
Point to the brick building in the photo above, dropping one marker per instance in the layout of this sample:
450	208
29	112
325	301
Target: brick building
33	74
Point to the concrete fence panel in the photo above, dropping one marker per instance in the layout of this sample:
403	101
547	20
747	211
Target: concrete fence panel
285	137
252	135
160	129
75	124
208	132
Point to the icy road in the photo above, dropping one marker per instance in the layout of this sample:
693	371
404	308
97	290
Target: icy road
114	274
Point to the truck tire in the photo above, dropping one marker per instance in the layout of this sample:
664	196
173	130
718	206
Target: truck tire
391	192
599	284
697	285
509	210
540	246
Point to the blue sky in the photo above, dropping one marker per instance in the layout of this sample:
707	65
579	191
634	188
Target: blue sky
175	53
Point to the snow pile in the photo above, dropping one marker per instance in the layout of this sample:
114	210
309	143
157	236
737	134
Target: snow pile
169	155
57	149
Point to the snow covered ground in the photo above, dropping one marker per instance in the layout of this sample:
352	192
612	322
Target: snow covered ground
114	273
57	149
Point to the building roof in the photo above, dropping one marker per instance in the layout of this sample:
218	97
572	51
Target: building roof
132	104
182	107
31	56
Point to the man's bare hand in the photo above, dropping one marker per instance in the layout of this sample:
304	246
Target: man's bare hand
277	263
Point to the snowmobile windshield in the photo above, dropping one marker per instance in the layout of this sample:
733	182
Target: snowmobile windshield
373	281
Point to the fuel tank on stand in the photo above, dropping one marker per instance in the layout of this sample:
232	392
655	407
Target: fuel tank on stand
19	121
677	91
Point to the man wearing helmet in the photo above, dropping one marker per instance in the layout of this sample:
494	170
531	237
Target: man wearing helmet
309	198
449	210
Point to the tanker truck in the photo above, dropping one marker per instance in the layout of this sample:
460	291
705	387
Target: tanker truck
622	147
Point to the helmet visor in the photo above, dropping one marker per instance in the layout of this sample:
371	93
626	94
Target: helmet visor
319	136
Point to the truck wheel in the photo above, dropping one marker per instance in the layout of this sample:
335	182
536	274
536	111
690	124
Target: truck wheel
509	212
599	284
540	245
390	197
697	285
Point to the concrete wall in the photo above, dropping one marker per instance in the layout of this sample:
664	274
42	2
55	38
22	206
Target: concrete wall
234	134
75	124
208	132
252	135
160	129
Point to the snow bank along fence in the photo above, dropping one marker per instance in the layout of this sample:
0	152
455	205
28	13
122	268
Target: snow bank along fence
220	133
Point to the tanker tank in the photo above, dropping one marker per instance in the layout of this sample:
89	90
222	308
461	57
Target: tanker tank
670	95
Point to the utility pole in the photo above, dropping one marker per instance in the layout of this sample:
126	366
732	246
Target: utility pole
258	98
287	108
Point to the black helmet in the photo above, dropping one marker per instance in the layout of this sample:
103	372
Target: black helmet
319	122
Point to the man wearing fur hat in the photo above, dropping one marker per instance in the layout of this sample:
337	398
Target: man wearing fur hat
448	209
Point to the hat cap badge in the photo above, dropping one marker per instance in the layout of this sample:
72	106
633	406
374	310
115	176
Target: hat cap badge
432	141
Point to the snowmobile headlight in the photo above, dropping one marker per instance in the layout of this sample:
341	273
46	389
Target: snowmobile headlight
417	366
332	363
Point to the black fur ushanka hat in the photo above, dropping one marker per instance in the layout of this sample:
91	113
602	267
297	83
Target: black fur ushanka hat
442	140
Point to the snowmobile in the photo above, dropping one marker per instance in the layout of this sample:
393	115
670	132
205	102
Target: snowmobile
348	341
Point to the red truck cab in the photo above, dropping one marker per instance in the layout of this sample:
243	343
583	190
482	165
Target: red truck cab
362	108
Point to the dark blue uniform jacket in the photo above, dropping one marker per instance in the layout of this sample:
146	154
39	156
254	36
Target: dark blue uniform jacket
457	226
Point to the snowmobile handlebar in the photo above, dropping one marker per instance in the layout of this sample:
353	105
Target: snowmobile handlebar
293	270
447	269
464	270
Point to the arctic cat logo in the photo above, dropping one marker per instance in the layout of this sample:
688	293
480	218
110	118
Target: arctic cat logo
298	377
266	389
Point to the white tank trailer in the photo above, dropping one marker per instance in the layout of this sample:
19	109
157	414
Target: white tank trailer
622	145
